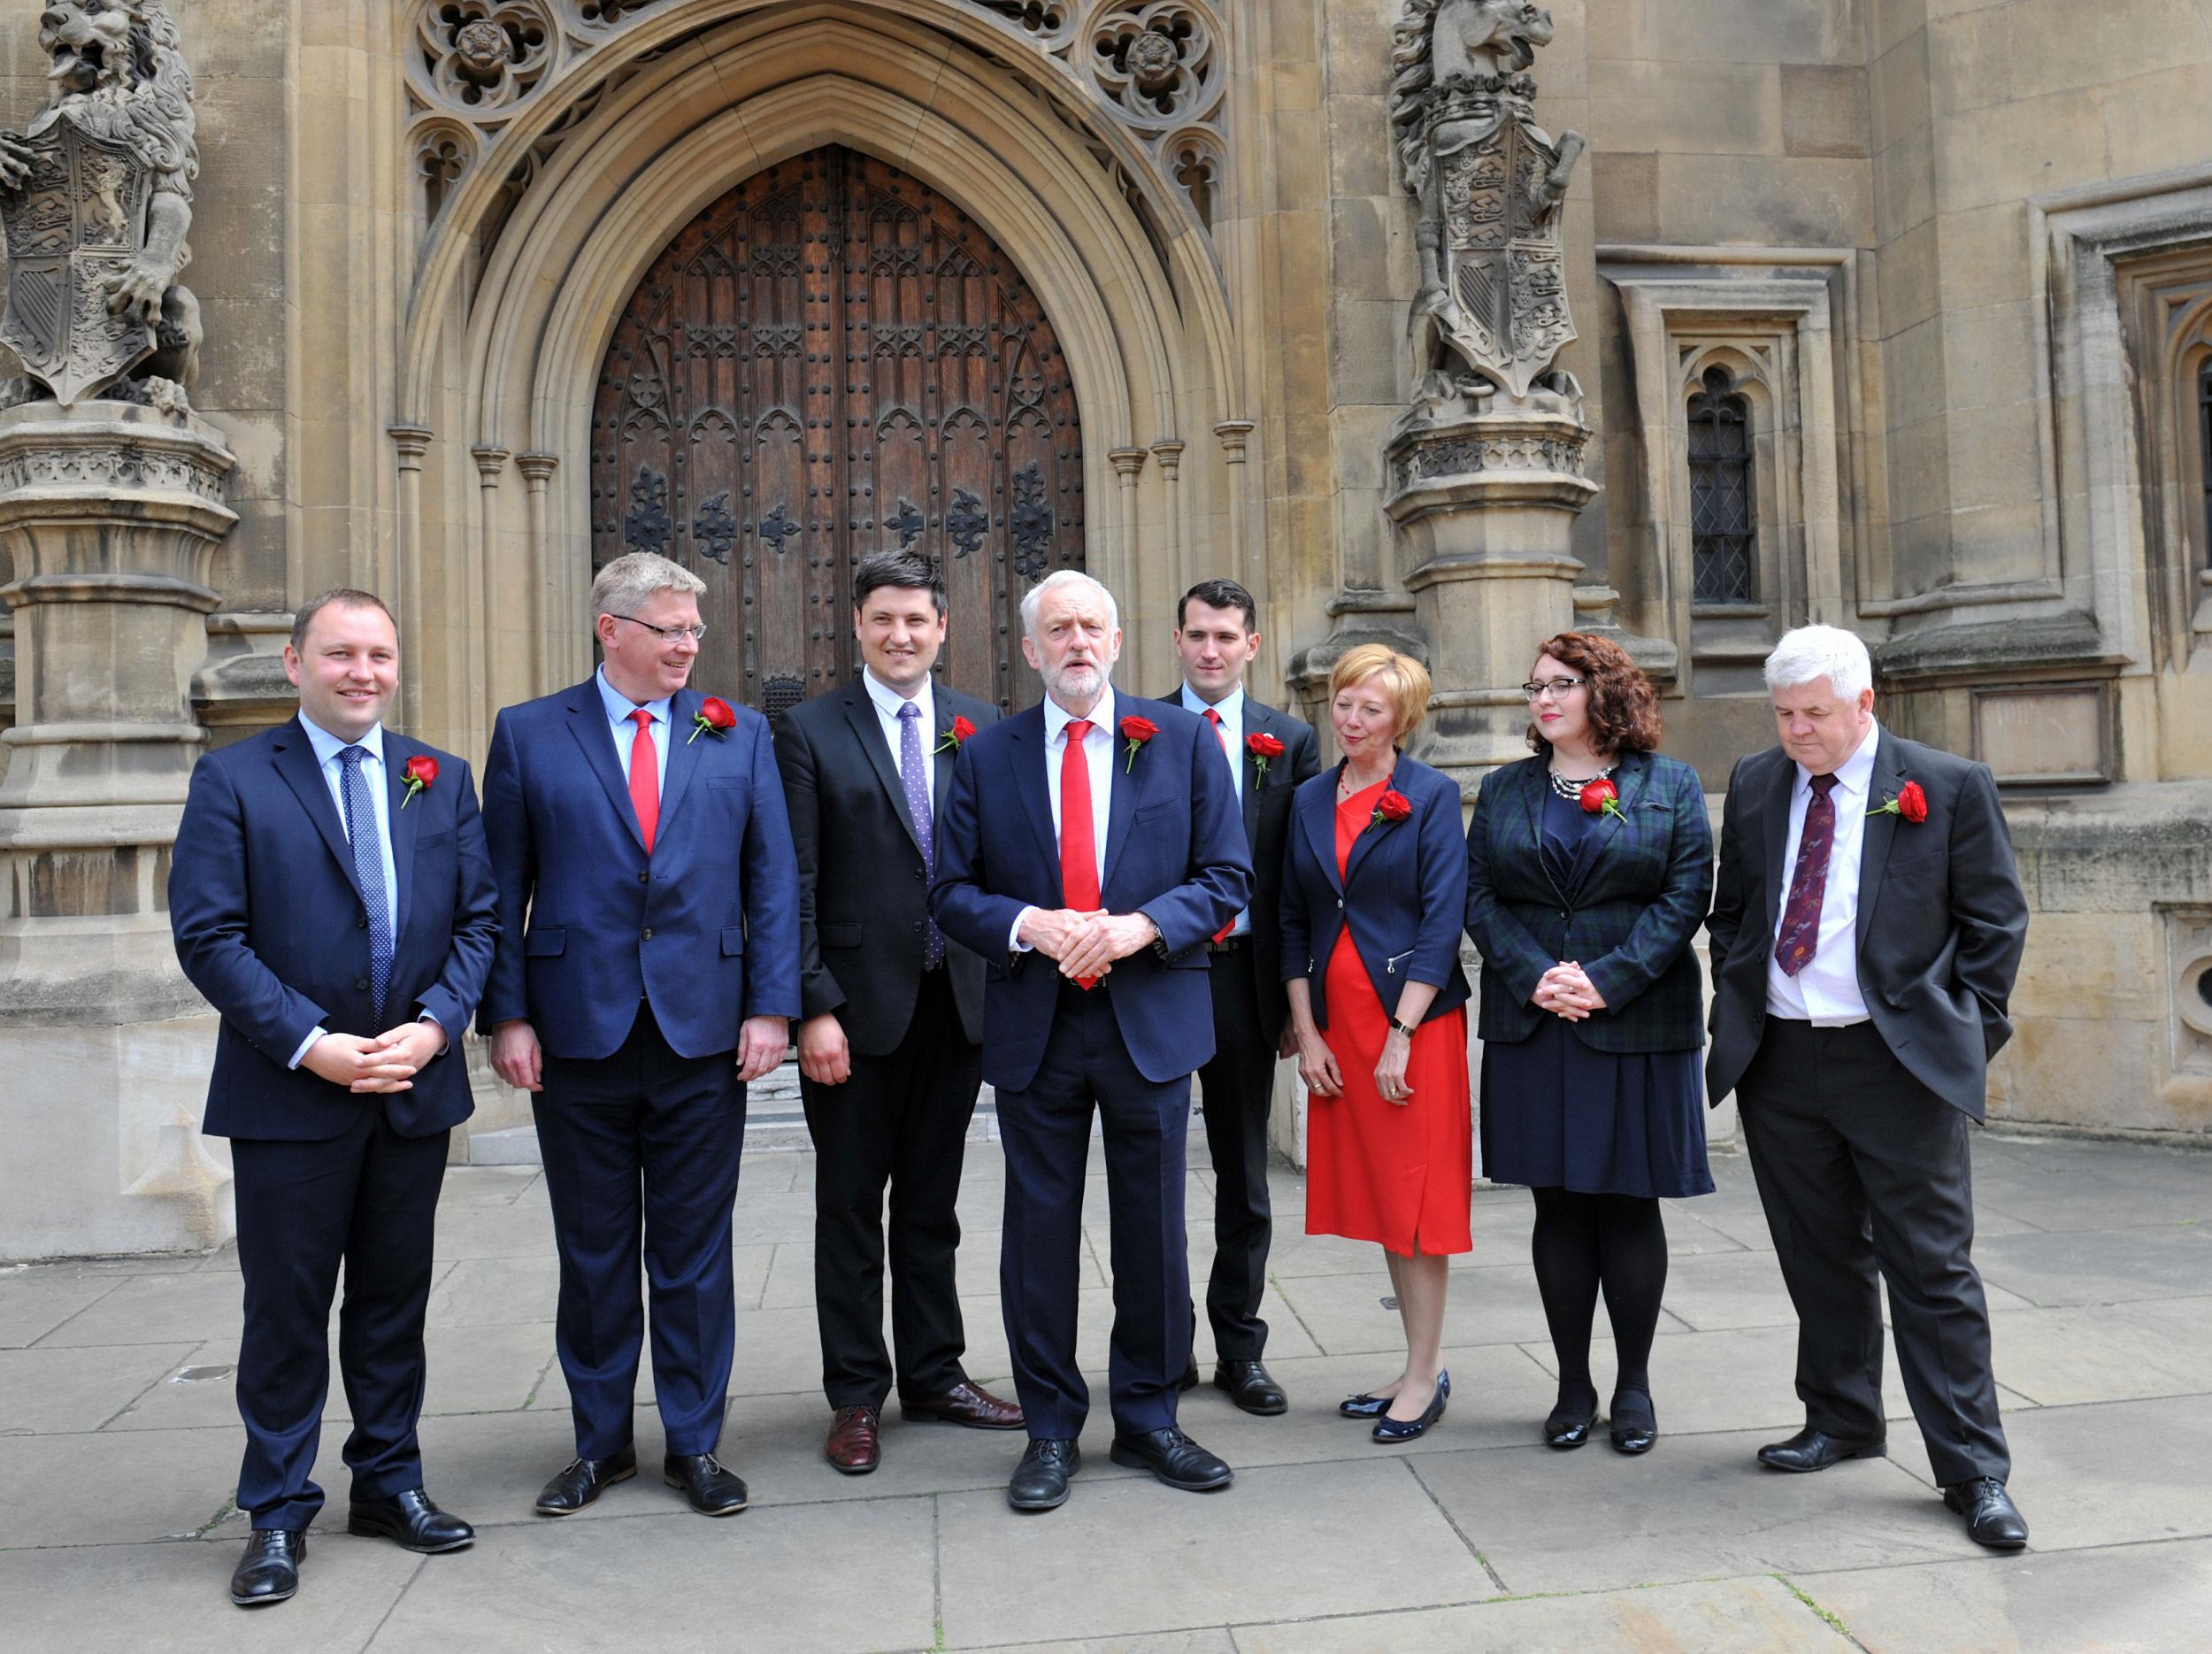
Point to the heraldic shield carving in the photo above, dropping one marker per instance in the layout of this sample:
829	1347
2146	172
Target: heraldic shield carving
78	220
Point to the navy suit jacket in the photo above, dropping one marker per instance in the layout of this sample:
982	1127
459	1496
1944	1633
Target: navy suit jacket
706	929
269	925
1404	891
1174	852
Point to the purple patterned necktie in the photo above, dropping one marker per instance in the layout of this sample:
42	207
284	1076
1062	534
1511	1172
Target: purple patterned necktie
1799	938
917	781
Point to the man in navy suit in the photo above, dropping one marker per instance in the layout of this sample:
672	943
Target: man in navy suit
342	970
1217	637
647	969
1108	853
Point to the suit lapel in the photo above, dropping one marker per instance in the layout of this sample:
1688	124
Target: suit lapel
1125	780
406	826
1881	830
1316	818
1777	827
860	713
587	722
1628	780
294	761
940	760
1373	832
1256	721
684	755
1029	757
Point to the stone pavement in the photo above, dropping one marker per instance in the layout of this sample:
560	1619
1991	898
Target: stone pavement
118	1443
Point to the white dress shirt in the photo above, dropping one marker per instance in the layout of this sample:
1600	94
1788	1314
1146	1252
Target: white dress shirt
1101	750
1826	992
619	706
1231	708
887	702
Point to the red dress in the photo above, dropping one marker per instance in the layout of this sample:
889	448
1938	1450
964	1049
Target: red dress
1400	1174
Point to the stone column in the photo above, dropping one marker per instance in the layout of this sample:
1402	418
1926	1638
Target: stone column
112	513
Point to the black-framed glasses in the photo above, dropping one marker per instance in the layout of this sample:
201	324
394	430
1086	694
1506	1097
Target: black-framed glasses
1557	687
668	634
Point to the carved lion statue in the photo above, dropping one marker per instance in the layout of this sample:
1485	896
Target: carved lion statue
1440	41
117	72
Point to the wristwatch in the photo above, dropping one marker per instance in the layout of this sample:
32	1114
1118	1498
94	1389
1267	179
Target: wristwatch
1405	1029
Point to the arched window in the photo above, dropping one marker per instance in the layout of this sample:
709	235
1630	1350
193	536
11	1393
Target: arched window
1724	535
2204	433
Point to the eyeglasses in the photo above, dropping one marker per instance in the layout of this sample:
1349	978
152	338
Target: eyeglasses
1558	688
670	633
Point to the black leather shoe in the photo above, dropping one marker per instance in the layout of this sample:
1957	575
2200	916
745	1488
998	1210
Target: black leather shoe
1568	1426
1365	1406
1388	1429
1173	1457
1252	1386
584	1481
270	1570
713	1490
1189	1381
1039	1482
1991	1516
1635	1422
1811	1449
410	1521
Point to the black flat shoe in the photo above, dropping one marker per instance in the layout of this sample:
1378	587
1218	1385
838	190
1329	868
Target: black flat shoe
1251	1387
1992	1517
1568	1427
1811	1449
1040	1483
1633	1420
410	1521
1173	1457
270	1570
583	1481
1364	1406
1389	1429
713	1489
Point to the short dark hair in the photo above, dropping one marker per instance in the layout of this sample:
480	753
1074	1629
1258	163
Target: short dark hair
907	571
1219	594
345	597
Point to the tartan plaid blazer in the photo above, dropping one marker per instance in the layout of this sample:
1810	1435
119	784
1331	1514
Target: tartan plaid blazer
1639	888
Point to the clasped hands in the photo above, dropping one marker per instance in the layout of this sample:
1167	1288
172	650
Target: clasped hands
386	1062
1087	944
518	1059
1566	991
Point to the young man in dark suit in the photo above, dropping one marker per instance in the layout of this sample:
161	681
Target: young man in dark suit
1217	638
890	1049
1867	924
331	895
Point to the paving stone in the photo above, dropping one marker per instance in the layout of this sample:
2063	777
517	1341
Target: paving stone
2116	1353
207	1399
469	1187
2149	1599
50	1391
157	1309
1180	1560
482	1369
1345	1313
1214	1640
35	1302
2124	1473
2114	1266
1753	1616
177	1482
1718	1293
494	1291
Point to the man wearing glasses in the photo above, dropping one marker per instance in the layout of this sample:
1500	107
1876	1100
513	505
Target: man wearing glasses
647	968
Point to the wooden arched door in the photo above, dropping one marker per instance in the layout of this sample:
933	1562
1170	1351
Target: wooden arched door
832	359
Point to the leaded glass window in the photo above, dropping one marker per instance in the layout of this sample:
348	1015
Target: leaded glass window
2204	432
1723	537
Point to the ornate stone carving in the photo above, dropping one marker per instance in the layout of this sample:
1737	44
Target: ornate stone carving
486	54
1491	311
96	200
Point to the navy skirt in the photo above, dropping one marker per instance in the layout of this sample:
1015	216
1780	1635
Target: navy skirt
1556	1114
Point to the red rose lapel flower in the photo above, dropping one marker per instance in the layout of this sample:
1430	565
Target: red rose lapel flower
421	770
1910	802
1392	806
1602	798
1264	748
715	717
1136	731
954	736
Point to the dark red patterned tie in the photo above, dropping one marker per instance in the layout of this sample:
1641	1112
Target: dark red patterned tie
1799	938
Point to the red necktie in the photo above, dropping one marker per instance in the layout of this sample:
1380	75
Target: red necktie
1079	852
645	778
1222	736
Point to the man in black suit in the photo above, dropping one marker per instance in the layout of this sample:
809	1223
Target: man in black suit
889	1048
1217	638
1867	924
331	896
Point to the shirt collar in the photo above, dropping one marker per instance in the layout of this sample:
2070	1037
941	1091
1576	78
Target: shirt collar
1230	706
327	746
1855	775
619	706
888	700
1058	718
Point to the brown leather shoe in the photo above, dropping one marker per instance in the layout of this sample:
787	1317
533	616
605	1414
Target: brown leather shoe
853	1446
966	1402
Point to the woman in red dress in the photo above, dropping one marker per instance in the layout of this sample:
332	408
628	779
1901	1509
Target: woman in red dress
1375	892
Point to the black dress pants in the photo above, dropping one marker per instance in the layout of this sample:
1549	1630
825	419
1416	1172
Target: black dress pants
367	1198
1238	1086
900	1121
1861	1169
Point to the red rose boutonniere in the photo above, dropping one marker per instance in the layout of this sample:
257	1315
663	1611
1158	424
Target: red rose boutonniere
954	737
421	770
1602	798
1263	748
1910	802
1392	806
1136	731
714	717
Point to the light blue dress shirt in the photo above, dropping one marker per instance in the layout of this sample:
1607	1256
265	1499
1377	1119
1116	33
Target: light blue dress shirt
1232	710
619	706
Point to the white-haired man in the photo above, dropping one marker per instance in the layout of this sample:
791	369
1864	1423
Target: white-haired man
1867	924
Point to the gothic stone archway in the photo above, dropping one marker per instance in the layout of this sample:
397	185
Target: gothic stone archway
829	360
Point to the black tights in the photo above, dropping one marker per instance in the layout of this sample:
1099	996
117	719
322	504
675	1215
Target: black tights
1584	1240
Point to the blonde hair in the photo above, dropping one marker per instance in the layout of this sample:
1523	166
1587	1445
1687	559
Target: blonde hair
625	584
1406	678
